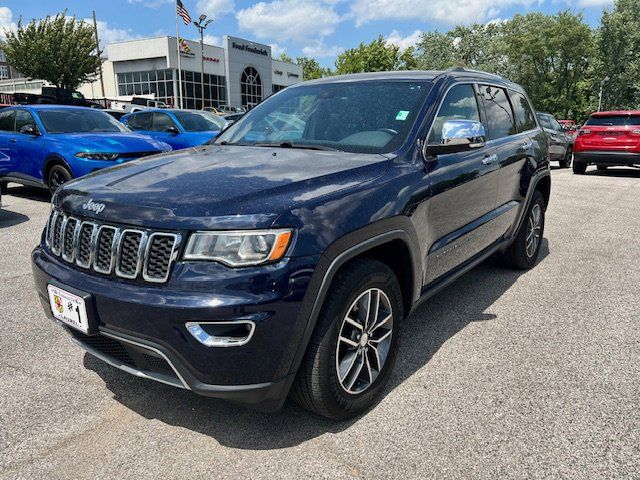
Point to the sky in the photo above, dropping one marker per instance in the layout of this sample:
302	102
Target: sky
313	28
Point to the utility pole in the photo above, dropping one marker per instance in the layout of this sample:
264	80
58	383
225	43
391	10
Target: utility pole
201	25
95	29
604	80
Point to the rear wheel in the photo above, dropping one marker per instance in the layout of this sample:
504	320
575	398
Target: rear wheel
57	176
579	168
566	161
353	348
523	253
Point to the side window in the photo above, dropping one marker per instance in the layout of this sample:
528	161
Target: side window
555	125
7	120
546	123
140	121
161	121
523	113
499	113
459	104
23	118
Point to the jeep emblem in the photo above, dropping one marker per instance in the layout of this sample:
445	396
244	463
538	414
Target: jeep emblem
93	206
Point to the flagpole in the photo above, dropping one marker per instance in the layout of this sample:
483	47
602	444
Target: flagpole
179	93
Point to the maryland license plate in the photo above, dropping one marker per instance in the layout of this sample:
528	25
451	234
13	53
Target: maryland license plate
68	308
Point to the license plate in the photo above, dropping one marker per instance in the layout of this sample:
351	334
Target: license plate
68	308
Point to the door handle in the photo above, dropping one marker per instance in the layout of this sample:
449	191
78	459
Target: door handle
489	159
526	146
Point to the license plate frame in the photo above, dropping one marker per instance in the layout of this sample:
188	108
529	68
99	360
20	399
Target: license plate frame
71	308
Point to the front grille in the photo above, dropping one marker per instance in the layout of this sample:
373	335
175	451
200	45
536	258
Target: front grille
157	363
108	249
137	154
106	346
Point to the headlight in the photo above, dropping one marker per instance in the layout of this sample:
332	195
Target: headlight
98	156
239	249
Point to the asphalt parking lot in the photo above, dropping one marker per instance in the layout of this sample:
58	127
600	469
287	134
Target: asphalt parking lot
503	374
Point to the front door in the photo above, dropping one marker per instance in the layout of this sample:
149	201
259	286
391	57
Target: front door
464	189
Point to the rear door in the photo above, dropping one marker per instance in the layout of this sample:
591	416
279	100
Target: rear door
513	145
464	187
140	123
611	133
7	123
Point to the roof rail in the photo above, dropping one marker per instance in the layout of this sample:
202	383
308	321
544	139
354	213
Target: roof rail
469	70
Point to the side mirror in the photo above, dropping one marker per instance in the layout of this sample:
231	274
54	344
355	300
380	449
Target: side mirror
30	129
459	136
172	129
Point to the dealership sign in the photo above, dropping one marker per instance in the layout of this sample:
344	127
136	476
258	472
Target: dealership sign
247	48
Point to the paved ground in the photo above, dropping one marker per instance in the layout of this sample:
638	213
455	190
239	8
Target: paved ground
503	374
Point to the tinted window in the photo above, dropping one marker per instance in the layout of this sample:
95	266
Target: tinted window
23	118
459	104
499	113
6	120
199	121
79	121
373	116
523	113
614	120
140	121
545	122
161	121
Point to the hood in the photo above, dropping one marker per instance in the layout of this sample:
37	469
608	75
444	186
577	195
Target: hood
217	186
112	142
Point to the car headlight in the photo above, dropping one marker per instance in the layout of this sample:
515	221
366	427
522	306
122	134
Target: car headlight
239	249
98	156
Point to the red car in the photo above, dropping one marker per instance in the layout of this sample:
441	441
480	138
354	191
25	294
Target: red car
608	139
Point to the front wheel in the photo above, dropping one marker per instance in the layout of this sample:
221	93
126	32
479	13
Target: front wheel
523	253
353	348
57	176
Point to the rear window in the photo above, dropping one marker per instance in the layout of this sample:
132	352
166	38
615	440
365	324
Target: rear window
613	120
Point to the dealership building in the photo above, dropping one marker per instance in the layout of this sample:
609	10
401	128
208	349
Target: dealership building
240	73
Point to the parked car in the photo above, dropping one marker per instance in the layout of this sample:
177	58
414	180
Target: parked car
178	128
608	139
231	109
117	114
55	95
48	145
250	270
560	143
232	117
214	110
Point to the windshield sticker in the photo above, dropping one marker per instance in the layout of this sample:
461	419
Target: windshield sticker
402	115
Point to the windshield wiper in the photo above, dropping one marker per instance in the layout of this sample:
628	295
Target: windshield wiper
304	146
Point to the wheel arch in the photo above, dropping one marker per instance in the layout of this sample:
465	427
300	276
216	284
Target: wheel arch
52	160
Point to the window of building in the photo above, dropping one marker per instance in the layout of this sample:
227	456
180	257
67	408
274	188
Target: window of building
499	113
4	71
250	87
525	119
3	57
277	88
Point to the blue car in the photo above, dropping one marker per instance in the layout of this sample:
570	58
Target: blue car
178	128
48	145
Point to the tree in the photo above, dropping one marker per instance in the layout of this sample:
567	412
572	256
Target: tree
618	45
60	50
311	69
285	58
377	56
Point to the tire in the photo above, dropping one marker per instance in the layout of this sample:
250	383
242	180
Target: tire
57	176
319	386
566	161
601	168
579	168
521	254
3	187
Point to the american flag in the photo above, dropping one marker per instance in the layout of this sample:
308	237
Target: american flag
182	11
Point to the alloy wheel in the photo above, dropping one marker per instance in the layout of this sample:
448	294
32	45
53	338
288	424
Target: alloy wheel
364	341
534	230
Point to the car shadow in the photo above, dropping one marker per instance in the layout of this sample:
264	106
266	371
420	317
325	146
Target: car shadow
9	218
613	172
430	327
30	193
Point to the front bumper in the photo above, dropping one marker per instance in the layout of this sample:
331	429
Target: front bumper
141	327
596	157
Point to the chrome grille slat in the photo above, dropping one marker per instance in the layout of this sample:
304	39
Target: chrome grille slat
125	252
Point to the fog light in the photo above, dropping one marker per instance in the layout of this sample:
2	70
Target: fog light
222	334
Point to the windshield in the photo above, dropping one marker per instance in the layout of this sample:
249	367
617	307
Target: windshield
199	121
79	121
614	120
364	116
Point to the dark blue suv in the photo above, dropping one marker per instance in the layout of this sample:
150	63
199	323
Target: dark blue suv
282	258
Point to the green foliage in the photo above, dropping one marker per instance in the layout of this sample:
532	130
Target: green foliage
60	50
377	56
285	58
618	45
311	69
